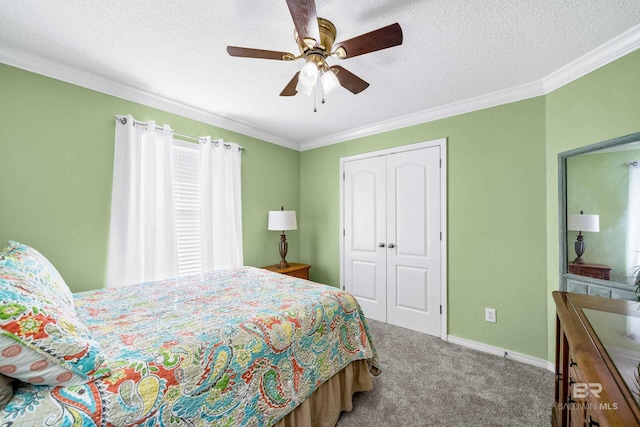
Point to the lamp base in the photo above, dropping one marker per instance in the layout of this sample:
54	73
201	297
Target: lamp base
283	247
579	247
283	264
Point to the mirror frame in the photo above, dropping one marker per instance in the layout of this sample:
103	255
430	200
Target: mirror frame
562	211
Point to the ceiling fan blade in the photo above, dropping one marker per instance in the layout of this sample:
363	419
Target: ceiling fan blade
379	39
305	19
246	52
350	81
290	88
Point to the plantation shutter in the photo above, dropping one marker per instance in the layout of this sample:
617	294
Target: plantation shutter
187	202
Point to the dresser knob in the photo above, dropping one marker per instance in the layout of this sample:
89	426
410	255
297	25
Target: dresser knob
381	245
391	245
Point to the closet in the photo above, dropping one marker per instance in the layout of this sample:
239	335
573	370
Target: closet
392	231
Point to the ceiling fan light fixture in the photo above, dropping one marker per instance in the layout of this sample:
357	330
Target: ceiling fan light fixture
308	75
329	82
305	90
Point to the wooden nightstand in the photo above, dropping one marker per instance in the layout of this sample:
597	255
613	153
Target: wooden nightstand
598	271
295	270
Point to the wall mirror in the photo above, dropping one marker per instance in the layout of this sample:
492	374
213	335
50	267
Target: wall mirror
600	210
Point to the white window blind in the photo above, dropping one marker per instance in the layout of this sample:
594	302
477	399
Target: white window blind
187	201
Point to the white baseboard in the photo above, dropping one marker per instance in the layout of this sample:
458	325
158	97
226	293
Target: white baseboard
520	357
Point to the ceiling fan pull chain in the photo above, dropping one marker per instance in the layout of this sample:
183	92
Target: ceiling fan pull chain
315	91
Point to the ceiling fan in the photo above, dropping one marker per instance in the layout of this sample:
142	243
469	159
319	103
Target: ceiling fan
315	37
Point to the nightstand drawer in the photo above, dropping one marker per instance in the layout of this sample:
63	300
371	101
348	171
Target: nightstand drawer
294	270
598	271
303	274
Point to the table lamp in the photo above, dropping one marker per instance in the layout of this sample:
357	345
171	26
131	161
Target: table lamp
582	223
282	221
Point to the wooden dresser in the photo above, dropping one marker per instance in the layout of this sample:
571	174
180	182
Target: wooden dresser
295	270
597	357
598	271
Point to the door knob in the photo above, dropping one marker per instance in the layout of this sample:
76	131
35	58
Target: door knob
381	245
391	245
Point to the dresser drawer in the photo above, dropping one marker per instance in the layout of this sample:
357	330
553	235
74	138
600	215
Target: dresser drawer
590	391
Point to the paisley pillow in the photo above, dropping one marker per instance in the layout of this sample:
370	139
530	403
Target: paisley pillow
42	343
21	261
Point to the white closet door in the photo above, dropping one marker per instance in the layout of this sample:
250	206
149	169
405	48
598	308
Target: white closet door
364	234
392	247
413	240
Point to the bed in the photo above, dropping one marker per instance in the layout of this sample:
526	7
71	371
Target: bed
233	347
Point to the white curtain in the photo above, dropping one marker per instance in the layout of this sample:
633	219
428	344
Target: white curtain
142	239
221	207
633	223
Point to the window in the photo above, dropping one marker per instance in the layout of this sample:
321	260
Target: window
186	187
175	205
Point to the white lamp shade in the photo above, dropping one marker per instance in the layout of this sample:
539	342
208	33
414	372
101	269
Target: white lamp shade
282	220
305	90
329	82
308	75
583	222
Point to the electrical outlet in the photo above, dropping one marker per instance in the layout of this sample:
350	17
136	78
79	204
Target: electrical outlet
490	315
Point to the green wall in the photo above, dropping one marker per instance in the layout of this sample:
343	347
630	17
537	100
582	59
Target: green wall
502	200
602	105
56	156
496	218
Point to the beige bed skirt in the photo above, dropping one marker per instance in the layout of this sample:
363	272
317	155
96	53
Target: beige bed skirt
323	407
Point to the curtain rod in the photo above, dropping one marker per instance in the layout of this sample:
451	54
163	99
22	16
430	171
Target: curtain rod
123	120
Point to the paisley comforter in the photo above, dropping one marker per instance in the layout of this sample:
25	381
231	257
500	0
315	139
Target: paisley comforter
233	347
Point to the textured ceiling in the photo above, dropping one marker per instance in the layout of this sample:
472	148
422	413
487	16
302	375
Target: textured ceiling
175	50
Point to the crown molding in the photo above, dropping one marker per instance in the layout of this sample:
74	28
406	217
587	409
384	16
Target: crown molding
616	48
529	90
91	81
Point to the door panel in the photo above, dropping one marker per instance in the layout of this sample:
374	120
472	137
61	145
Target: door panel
410	209
364	261
363	279
363	207
411	288
413	224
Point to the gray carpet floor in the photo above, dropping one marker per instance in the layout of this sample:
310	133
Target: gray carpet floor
429	382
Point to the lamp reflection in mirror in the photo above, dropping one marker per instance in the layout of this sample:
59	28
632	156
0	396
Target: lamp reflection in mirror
580	223
282	221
